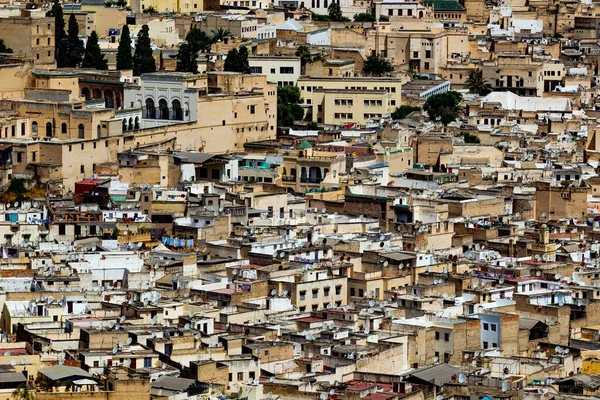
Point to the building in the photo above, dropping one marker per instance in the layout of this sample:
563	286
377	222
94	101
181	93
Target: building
30	37
284	71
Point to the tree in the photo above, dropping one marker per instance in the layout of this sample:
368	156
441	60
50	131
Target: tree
93	57
477	84
198	40
376	65
403	111
150	10
470	138
443	107
3	48
305	57
237	61
243	60
320	17
288	109
220	34
143	60
60	35
74	45
124	59
335	12
22	393
364	17
187	59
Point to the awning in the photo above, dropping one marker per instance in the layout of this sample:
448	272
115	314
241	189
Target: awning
80	382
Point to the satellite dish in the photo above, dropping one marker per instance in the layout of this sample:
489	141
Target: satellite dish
385	263
123	318
197	336
191	314
324	396
186	326
13	362
310	355
272	379
61	362
462	378
127	362
129	340
115	350
164	366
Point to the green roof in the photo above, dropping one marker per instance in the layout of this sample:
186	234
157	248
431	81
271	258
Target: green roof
305	145
444	5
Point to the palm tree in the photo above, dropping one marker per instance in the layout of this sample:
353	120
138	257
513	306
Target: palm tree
22	393
477	84
220	34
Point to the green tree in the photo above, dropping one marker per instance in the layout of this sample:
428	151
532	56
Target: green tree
471	138
220	34
243	60
306	57
364	17
477	84
60	35
237	61
22	393
376	65
187	59
320	17
3	48
335	12
198	40
124	58
403	111
288	109
93	57
150	10
74	46
443	107
143	60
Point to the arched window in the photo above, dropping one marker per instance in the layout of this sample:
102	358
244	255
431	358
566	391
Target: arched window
136	123
163	109
109	99
97	94
150	109
63	128
85	93
124	124
49	129
177	111
98	130
130	124
80	131
34	128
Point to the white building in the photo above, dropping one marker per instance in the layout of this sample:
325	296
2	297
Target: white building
282	70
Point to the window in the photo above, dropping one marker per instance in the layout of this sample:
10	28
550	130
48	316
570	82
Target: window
286	70
326	292
252	109
273	71
147	362
427	53
338	290
437	335
446	337
486	326
34	128
493	326
426	65
256	70
302	294
240	376
315	293
80	131
63	128
485	345
415	54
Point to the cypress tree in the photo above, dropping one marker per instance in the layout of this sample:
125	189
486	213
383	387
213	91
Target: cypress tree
60	35
244	65
93	57
124	59
143	61
232	61
74	44
187	59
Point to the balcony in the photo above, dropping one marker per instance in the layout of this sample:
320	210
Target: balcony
291	178
310	180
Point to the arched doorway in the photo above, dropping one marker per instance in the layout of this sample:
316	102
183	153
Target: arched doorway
124	124
137	123
81	131
163	109
97	94
130	123
109	98
177	111
49	129
85	92
150	109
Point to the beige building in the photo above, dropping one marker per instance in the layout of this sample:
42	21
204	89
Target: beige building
333	100
30	37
